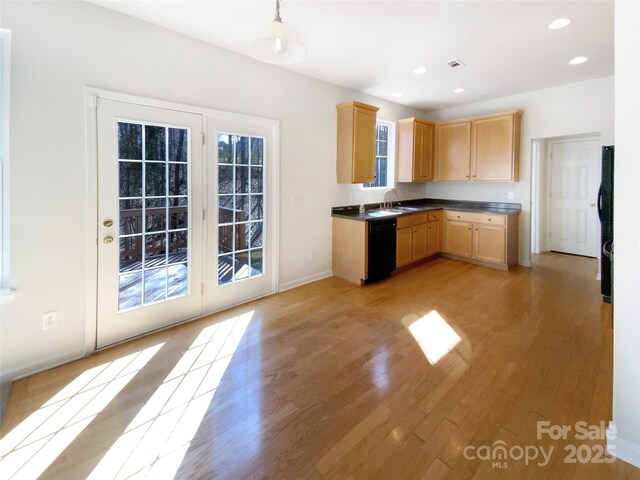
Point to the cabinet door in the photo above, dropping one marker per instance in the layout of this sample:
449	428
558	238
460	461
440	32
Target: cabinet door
453	151
426	158
419	242
406	145
490	243
459	238
493	148
433	238
364	145
403	246
418	150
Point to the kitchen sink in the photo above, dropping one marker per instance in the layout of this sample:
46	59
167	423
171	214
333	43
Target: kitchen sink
382	213
404	209
391	211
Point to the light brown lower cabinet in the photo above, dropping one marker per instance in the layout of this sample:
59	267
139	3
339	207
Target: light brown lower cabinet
404	251
419	242
459	238
433	238
490	243
412	239
483	238
411	244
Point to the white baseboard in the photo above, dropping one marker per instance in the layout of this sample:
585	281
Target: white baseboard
621	448
304	280
38	366
41	364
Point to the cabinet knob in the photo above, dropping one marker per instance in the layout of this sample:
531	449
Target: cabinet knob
489	219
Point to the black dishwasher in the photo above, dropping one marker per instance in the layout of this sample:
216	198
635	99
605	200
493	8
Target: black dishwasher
382	248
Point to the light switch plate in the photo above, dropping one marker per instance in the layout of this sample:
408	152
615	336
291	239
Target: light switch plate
49	320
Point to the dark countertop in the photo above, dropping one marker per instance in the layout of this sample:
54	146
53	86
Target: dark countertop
424	205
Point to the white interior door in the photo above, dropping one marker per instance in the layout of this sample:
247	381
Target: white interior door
241	225
150	203
575	176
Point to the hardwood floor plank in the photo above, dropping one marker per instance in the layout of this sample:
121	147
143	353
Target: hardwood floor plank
353	437
329	382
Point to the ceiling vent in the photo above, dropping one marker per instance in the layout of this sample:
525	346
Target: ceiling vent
456	63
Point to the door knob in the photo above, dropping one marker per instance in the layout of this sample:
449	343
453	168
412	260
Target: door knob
108	240
107	223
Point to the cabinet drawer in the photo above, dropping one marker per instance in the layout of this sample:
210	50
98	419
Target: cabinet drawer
412	220
476	217
434	216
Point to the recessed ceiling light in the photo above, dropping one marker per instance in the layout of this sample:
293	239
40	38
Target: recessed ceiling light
420	70
396	95
578	60
458	90
559	23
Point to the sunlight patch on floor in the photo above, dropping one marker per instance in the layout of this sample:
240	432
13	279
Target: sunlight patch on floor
434	335
37	441
157	439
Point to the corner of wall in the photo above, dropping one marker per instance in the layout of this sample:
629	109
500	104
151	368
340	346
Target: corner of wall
621	448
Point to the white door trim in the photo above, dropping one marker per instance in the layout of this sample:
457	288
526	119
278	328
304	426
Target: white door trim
91	190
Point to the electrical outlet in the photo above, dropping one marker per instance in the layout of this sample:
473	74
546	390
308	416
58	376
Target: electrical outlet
487	195
311	254
510	195
49	320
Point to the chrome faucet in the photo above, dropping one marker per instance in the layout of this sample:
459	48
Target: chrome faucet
384	198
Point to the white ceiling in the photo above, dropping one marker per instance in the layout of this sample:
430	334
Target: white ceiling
374	46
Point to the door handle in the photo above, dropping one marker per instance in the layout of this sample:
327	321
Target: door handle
108	240
600	202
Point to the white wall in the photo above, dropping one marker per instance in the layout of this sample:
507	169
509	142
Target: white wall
573	109
626	301
61	47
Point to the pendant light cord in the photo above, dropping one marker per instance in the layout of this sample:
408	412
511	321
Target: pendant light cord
277	16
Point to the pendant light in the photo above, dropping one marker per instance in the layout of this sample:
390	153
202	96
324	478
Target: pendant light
278	45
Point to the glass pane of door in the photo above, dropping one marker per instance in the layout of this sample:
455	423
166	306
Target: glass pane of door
240	207
153	214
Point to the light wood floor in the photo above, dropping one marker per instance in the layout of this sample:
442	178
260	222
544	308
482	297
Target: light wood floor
327	381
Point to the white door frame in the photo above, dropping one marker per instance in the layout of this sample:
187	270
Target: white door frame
540	178
91	192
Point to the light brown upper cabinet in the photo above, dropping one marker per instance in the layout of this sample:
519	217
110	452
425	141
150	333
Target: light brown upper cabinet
453	150
495	147
356	155
485	148
415	150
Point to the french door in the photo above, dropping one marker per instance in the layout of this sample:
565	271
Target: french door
241	267
179	235
149	206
